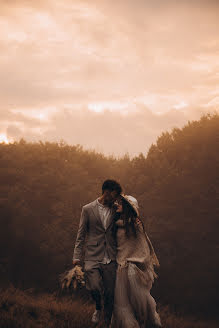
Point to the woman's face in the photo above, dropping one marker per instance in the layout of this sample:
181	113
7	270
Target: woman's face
118	203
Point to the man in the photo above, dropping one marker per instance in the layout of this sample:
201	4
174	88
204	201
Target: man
95	232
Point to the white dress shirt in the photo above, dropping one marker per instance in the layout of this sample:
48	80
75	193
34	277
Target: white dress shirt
105	214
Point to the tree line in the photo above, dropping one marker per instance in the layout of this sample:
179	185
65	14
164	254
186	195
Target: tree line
44	185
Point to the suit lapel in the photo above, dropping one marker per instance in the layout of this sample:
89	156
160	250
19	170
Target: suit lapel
97	215
96	212
110	220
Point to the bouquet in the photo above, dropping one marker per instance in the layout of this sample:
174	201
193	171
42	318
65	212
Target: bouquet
73	277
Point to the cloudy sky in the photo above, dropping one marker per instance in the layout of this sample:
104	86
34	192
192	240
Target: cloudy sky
110	75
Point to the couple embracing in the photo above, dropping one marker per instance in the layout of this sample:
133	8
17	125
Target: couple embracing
119	260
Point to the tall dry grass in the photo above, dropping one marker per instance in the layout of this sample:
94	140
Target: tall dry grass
25	309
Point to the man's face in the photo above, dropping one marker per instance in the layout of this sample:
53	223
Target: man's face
110	196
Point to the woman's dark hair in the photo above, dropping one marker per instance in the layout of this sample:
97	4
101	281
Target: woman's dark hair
111	185
128	216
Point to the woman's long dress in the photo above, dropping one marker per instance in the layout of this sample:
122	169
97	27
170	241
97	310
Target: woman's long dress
133	304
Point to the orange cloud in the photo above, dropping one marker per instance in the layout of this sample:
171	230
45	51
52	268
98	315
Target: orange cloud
124	56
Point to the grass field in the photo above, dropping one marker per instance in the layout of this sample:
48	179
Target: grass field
24	309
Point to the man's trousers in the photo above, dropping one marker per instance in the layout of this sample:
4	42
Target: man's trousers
100	281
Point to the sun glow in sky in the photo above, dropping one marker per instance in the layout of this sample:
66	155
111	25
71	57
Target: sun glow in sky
3	138
71	69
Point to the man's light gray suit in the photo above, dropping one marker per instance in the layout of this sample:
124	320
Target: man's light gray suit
97	241
93	236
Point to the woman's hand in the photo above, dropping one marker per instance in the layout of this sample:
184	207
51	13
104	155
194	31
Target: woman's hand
139	223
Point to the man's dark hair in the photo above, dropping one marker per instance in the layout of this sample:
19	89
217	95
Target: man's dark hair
111	185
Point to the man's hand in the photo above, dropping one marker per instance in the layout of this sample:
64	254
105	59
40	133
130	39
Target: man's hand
76	262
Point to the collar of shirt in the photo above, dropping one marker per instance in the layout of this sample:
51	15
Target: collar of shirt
101	205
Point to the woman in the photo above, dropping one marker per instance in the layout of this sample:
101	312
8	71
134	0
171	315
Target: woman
133	304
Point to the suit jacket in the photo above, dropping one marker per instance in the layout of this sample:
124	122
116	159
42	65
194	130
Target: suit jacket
93	236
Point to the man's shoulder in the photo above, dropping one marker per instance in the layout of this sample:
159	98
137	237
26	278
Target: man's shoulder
89	205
